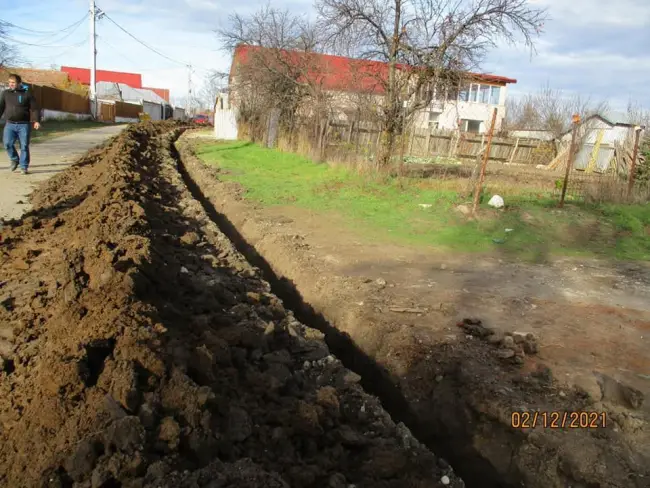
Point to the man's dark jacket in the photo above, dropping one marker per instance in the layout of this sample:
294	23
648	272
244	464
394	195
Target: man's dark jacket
19	106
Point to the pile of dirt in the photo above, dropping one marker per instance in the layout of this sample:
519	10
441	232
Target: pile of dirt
483	397
139	349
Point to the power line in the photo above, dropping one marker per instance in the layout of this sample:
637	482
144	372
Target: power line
71	28
152	49
14	26
62	53
119	53
50	46
142	42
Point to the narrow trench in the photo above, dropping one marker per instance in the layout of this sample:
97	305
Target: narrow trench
475	471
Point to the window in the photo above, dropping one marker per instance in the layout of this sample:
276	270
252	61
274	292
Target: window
473	93
495	95
463	94
484	96
433	119
473	126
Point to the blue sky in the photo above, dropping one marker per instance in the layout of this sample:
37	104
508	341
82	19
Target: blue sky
598	48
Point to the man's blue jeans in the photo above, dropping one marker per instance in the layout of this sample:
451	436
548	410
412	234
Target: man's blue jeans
22	133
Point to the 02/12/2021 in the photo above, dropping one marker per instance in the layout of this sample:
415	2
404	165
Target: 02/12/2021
558	420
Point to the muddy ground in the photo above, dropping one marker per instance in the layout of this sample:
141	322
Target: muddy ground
140	349
566	336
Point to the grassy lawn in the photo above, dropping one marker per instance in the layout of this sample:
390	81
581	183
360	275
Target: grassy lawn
423	211
56	128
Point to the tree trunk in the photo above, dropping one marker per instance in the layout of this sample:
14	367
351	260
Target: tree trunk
392	114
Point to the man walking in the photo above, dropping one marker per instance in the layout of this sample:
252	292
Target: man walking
21	113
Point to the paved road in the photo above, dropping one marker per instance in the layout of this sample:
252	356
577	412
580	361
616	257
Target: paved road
48	158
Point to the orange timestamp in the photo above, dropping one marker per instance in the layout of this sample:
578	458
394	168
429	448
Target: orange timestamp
558	420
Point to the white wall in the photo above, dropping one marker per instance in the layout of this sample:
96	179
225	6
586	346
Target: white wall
542	135
153	109
179	113
57	115
125	120
452	111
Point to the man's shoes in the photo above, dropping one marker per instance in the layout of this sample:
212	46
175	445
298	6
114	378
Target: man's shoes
13	166
24	171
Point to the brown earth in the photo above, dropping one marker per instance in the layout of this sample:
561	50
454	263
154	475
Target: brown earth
392	312
139	349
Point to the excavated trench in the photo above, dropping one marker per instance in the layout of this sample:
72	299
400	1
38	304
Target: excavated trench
454	446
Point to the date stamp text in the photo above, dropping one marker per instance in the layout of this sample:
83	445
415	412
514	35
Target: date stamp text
558	420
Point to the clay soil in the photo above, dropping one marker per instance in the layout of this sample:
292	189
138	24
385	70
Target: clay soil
393	313
140	349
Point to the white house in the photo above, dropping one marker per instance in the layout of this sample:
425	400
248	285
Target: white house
469	108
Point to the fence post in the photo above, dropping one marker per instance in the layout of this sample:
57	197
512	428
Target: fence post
486	156
514	151
427	143
569	162
635	153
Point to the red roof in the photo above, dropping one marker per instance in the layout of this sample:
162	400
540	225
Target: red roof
338	73
161	92
82	75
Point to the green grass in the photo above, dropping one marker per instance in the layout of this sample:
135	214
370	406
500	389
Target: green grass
56	128
389	209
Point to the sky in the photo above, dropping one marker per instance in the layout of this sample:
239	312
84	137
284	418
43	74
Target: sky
597	48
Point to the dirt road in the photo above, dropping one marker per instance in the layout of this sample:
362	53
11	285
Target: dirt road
394	312
47	159
138	348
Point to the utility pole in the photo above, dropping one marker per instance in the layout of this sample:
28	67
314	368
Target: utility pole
189	90
93	62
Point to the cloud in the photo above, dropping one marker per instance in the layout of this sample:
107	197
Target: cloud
594	47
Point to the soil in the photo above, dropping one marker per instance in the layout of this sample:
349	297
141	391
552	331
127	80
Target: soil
140	349
567	335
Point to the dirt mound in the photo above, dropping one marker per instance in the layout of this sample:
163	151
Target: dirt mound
140	349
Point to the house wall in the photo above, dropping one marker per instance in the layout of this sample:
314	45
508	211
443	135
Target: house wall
450	111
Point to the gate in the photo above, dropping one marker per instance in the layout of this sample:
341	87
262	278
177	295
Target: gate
107	112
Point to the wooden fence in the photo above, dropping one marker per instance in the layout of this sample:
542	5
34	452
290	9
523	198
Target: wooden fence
127	110
429	143
49	98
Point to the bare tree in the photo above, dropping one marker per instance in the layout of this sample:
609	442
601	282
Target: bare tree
9	54
210	89
551	110
428	44
281	71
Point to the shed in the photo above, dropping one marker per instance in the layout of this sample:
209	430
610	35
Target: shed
601	136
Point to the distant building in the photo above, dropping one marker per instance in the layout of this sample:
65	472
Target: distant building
468	107
134	80
44	77
82	75
601	136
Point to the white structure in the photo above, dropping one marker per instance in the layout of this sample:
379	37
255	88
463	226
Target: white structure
225	119
152	103
600	134
179	113
469	109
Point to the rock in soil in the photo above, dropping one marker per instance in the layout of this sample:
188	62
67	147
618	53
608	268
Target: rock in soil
135	362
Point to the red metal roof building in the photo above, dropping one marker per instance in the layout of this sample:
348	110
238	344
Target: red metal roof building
161	92
82	75
338	73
